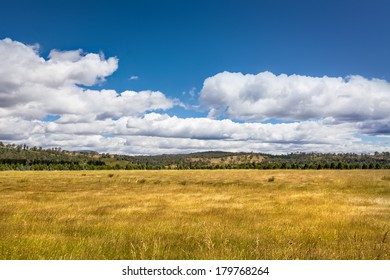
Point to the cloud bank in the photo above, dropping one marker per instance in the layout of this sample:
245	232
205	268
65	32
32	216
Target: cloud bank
265	96
260	113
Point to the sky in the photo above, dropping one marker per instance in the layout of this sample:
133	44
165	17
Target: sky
164	77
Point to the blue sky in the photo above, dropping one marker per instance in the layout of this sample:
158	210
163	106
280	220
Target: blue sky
174	46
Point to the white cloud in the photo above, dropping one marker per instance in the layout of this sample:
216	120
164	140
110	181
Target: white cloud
204	128
327	114
32	87
159	133
132	78
266	96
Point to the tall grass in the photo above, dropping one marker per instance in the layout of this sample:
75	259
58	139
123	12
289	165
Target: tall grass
220	214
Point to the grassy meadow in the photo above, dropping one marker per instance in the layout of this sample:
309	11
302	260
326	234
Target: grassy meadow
208	214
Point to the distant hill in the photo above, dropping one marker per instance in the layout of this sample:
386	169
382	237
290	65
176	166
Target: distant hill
22	157
87	152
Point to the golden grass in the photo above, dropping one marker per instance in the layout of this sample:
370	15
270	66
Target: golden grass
208	214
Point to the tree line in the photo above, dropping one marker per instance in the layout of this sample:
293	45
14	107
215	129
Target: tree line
22	157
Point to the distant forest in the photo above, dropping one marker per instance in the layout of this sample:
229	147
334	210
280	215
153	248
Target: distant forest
22	157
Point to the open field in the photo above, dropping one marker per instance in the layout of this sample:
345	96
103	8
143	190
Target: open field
208	214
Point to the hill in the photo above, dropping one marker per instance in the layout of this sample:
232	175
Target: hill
22	157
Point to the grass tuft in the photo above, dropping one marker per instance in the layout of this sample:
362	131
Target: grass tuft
386	178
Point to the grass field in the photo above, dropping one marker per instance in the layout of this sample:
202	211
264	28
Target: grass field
220	214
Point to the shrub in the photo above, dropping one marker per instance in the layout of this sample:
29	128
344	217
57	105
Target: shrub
271	179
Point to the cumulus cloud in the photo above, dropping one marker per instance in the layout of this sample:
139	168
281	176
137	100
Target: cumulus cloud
32	87
160	133
207	129
314	114
266	96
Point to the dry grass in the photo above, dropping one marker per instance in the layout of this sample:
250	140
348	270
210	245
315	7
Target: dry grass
220	214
